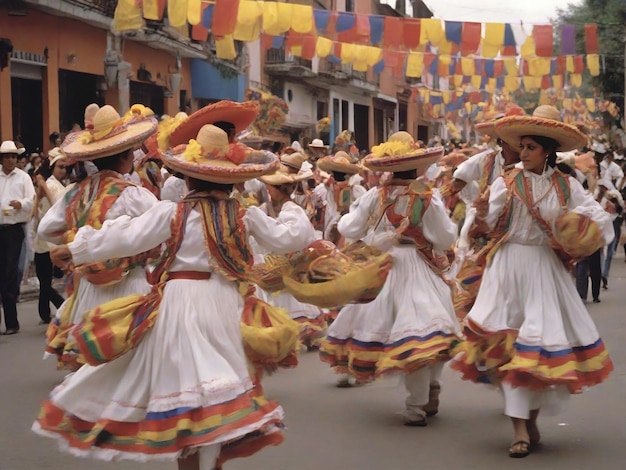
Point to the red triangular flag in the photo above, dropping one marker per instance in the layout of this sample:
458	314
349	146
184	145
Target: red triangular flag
393	35
224	17
411	34
544	40
470	38
591	38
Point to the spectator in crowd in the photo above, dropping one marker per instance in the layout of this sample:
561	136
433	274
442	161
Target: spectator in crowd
17	196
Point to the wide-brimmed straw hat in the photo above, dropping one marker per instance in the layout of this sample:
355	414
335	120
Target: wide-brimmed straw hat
240	115
546	122
488	126
210	157
340	162
110	135
293	160
317	144
283	176
401	153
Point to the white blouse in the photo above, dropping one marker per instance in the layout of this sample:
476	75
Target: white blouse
524	229
437	227
132	201
127	236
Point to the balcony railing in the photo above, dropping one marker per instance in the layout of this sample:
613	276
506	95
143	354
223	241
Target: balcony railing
281	63
106	7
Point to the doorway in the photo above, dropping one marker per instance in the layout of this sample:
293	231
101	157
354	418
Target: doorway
27	99
76	91
361	126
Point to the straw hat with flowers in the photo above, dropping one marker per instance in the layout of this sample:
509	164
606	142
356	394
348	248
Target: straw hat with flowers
240	115
546	122
111	134
400	153
284	176
210	157
340	162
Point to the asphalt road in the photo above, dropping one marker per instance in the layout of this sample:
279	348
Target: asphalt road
359	428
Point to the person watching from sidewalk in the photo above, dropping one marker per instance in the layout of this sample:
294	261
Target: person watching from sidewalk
17	196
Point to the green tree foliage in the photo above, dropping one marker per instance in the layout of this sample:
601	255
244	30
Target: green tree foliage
610	16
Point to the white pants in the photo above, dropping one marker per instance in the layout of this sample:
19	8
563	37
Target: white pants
417	385
520	401
208	456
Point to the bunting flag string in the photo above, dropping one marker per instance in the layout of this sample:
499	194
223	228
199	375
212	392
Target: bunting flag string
485	56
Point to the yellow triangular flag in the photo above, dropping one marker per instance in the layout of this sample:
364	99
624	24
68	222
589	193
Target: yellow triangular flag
569	63
225	48
510	66
323	47
194	12
177	12
593	64
302	21
348	53
528	48
434	30
150	9
467	66
576	80
511	83
591	104
414	64
476	81
127	16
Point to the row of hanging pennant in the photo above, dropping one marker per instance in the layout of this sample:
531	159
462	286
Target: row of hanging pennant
408	45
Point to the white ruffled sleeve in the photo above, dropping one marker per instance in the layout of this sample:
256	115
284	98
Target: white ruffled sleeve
582	202
437	226
497	201
472	168
133	201
355	224
290	231
124	236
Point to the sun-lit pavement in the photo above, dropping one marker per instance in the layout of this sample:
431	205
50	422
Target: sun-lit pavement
359	428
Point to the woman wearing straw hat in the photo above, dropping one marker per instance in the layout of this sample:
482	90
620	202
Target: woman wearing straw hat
281	186
410	327
49	191
528	330
104	195
184	392
337	193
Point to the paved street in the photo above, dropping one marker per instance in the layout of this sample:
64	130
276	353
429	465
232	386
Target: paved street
359	428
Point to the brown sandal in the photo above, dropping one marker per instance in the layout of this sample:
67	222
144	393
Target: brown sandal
523	449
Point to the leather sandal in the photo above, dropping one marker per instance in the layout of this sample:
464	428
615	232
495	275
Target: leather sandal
523	449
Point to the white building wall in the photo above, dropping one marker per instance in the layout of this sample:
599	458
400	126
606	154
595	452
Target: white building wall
254	56
302	106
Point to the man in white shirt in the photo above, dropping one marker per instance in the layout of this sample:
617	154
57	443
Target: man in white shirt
17	197
609	170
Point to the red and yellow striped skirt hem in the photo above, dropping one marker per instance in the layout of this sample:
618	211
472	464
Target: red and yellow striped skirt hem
494	357
368	360
172	433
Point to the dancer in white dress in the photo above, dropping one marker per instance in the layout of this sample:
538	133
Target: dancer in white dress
184	393
410	327
280	187
104	195
528	330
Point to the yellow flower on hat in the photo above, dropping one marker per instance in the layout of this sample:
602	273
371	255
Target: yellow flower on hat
138	111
